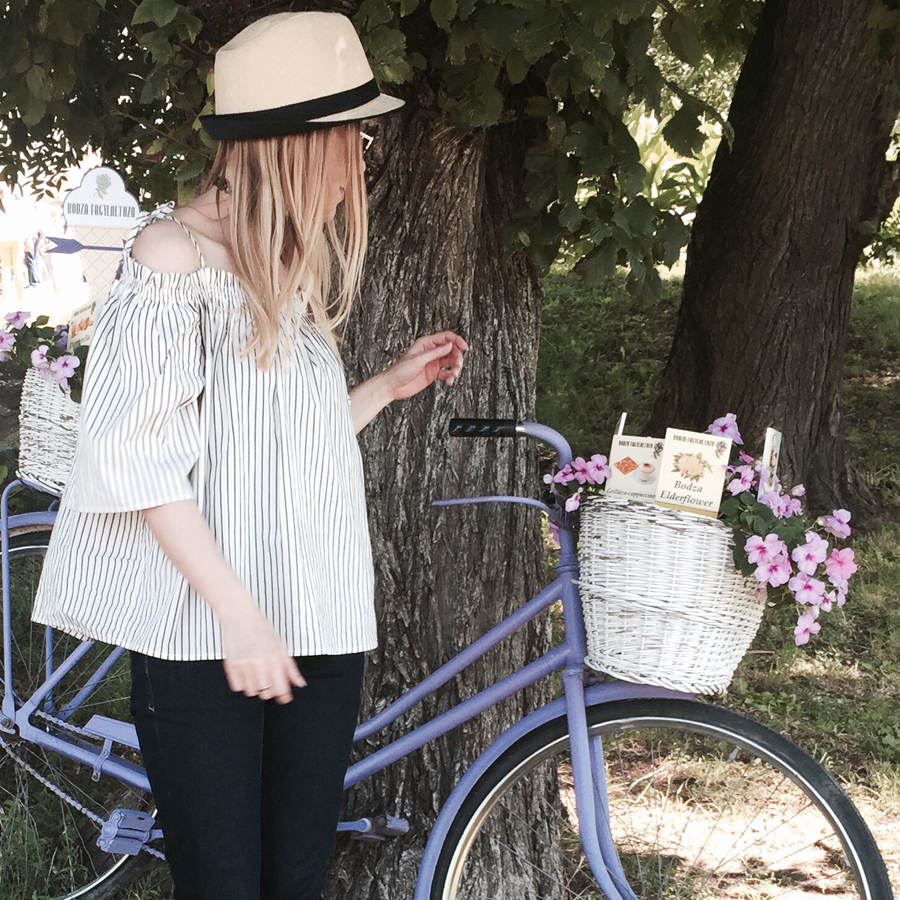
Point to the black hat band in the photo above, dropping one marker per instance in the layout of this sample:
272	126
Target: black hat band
284	120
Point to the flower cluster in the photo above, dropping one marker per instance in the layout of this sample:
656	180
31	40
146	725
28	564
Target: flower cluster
586	473
775	542
783	549
44	347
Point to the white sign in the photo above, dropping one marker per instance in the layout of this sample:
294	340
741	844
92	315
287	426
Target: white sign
100	201
81	326
634	467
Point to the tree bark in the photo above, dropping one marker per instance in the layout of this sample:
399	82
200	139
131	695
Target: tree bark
438	201
767	290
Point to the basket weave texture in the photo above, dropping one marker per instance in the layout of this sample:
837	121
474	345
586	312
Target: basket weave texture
48	427
663	602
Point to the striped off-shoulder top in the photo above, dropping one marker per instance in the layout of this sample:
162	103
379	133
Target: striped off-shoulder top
172	411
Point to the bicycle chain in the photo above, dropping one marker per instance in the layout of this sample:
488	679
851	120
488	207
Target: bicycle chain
62	723
67	798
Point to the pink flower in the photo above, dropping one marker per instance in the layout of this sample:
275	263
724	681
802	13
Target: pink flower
7	342
838	595
726	426
39	357
64	368
554	534
61	333
564	475
837	523
775	572
746	458
597	469
17	320
807	589
761	551
781	504
809	555
806	626
573	502
798	490
840	565
743	482
579	469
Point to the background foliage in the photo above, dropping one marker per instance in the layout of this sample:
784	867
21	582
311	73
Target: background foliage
130	78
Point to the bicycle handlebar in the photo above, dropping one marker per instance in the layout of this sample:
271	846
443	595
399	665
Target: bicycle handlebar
512	428
484	427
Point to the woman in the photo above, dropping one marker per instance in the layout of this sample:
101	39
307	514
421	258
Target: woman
214	522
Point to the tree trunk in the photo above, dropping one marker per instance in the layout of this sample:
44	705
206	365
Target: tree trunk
767	290
438	201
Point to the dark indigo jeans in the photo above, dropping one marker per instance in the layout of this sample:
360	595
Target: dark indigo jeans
248	792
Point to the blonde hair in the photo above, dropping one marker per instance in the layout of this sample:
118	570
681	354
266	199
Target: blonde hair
280	241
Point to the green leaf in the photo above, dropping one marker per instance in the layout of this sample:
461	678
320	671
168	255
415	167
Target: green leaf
682	39
159	12
570	216
600	263
517	67
672	234
39	321
375	12
191	168
640	216
156	85
443	12
682	132
38	83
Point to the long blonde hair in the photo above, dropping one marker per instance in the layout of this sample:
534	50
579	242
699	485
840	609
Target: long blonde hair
280	242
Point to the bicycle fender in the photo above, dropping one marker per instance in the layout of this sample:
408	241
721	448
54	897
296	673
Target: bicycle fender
30	520
596	694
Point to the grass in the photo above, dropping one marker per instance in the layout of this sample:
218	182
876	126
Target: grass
838	697
602	353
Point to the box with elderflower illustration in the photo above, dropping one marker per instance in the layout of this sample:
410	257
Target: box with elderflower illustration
692	471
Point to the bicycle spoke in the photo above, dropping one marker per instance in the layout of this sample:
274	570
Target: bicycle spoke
693	813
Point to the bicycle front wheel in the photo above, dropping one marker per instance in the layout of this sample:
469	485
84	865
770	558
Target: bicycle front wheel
703	803
49	804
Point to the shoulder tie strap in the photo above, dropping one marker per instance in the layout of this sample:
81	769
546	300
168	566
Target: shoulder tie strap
166	211
190	234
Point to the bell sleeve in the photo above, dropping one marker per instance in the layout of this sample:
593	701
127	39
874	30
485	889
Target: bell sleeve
139	434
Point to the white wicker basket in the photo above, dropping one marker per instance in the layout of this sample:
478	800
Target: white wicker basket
663	602
48	427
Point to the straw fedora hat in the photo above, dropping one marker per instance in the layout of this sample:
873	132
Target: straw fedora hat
293	72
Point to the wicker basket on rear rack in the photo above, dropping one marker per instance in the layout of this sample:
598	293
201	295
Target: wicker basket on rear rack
663	602
48	427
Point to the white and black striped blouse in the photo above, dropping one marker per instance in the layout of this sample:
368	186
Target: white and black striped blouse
171	411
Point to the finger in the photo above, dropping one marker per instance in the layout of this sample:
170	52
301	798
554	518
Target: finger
437	352
260	679
441	337
280	689
232	673
294	674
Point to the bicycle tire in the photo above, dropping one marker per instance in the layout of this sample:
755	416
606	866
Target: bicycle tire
703	803
48	848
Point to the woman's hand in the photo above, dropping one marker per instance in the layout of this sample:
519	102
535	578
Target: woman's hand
435	357
257	662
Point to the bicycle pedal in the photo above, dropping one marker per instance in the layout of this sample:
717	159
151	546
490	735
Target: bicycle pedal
127	831
375	828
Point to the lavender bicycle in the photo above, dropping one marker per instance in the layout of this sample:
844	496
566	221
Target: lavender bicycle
613	790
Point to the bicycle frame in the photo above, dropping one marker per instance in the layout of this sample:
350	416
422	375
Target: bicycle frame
586	753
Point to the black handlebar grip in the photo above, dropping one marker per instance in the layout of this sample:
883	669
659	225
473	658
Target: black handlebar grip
483	427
